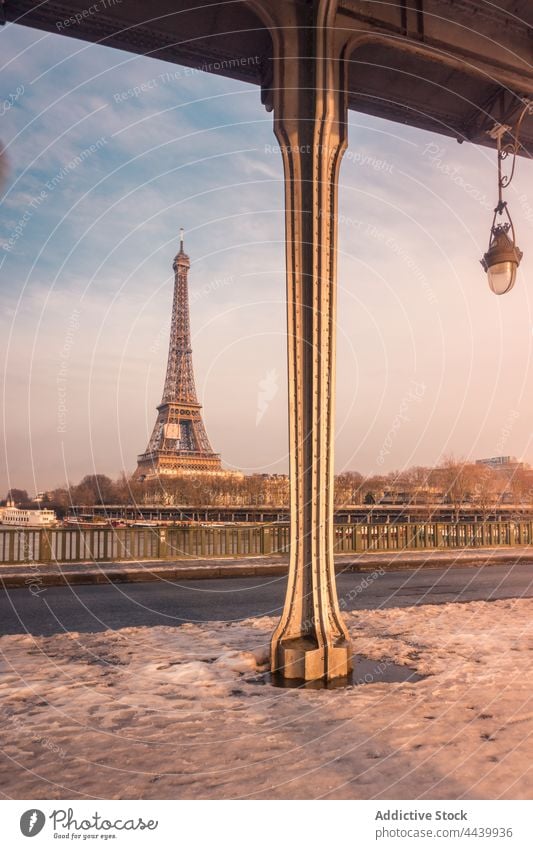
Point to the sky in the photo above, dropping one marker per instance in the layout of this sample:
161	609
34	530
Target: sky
99	180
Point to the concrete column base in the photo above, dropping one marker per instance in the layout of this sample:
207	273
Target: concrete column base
300	658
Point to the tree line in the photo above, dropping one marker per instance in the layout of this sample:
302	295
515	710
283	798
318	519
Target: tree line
453	482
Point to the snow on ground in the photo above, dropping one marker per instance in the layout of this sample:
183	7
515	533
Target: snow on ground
188	712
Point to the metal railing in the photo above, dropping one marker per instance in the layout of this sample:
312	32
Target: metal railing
73	545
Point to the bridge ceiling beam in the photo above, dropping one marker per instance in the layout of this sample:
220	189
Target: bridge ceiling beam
433	64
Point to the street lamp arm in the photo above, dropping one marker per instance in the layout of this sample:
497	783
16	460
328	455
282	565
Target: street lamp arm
509	148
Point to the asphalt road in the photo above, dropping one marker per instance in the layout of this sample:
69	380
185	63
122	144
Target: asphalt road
97	608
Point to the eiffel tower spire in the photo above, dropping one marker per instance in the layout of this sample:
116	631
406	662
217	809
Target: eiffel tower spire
179	442
179	382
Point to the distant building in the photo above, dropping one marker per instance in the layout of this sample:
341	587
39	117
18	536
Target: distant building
413	495
505	463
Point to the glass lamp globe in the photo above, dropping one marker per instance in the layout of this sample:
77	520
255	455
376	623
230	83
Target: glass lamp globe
501	261
502	276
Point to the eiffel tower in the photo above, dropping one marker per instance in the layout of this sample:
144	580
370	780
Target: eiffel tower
179	443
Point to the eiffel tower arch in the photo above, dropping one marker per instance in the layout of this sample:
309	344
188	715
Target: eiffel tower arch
179	443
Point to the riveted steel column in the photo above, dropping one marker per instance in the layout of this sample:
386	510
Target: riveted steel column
309	101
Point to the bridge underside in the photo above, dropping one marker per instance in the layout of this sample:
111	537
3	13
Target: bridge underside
451	66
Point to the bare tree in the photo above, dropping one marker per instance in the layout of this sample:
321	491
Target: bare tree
18	496
373	489
487	488
521	487
348	489
418	484
457	479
